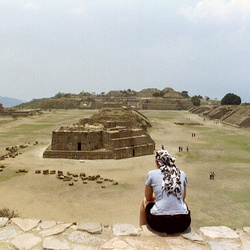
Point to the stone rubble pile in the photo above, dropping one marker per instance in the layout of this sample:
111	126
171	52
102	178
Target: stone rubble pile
34	234
14	151
72	178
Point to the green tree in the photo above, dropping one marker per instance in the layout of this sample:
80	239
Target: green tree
67	95
58	95
231	99
159	94
196	100
184	93
156	94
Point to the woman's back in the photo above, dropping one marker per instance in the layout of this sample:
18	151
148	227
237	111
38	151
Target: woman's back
166	204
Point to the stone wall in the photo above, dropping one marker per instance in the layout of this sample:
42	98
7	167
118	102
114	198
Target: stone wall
129	141
77	141
120	153
237	115
90	155
166	104
116	153
32	234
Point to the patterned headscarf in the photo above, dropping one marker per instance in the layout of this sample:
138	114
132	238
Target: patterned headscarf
171	180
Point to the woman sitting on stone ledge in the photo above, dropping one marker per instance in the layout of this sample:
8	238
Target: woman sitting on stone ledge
164	207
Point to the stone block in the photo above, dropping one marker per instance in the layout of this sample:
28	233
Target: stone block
80	237
54	243
8	232
55	230
25	241
125	229
47	224
3	221
193	235
116	243
26	224
90	227
219	232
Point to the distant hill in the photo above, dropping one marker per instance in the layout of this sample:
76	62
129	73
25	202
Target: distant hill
9	102
151	98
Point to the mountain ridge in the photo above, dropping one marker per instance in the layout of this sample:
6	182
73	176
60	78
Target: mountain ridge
9	102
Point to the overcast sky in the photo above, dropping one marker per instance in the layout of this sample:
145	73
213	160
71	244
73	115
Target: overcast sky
69	46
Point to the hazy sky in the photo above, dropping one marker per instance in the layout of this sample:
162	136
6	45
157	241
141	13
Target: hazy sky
69	46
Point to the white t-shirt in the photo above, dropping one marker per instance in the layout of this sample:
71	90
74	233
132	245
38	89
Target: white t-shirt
166	204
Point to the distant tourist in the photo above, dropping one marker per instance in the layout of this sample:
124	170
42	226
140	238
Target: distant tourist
212	174
164	207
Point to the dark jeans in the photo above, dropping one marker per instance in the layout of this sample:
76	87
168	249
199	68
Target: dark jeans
167	223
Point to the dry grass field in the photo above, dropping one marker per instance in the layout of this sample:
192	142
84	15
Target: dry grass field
216	147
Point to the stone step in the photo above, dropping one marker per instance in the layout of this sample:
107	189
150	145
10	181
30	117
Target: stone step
25	233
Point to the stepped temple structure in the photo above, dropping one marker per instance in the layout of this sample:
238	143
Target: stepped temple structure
18	113
149	99
113	133
236	115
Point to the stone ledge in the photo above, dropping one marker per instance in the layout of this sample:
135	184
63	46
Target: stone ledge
34	234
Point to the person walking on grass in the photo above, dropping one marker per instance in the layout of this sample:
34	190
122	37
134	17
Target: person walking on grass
164	207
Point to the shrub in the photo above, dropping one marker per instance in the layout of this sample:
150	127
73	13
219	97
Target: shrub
6	212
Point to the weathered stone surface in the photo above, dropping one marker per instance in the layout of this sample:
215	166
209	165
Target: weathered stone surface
47	224
8	232
227	244
215	238
245	239
3	221
25	241
148	243
80	247
26	224
193	235
219	232
79	237
179	242
90	227
146	232
116	243
125	229
55	243
55	230
246	230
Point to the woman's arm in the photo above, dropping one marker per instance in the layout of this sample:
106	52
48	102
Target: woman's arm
149	194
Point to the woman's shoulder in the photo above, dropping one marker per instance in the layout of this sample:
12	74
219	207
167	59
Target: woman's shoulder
154	171
183	175
182	172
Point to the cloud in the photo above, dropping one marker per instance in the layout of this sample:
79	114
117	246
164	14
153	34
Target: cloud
30	6
219	12
78	10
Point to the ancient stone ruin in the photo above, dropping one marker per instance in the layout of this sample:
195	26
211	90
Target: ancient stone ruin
236	115
19	112
113	133
149	99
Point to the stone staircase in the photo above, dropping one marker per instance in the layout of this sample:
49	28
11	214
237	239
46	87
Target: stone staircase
34	234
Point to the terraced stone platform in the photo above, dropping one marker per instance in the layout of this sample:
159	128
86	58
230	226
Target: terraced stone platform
34	234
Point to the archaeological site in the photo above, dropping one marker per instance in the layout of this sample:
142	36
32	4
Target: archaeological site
112	133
